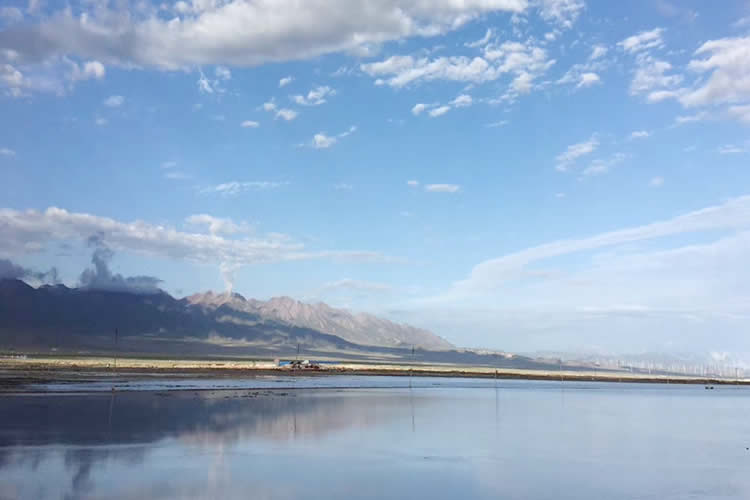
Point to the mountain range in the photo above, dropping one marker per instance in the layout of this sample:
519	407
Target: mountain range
59	315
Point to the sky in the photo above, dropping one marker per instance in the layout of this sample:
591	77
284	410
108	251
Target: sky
511	174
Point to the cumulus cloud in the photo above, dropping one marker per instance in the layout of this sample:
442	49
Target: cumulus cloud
249	124
442	188
588	79
286	114
418	109
31	231
285	81
315	97
521	63
726	63
573	152
236	32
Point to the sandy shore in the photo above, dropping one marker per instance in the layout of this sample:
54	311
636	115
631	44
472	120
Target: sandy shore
18	371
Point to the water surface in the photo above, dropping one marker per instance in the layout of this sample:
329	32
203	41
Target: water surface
374	437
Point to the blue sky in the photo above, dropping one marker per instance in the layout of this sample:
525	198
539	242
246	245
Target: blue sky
522	175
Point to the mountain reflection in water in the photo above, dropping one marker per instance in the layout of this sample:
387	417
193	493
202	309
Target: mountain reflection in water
520	440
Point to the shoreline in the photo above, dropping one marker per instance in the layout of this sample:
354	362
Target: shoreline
17	372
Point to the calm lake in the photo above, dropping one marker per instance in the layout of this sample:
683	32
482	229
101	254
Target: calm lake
355	437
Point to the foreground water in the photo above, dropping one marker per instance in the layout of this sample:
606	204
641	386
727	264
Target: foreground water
443	438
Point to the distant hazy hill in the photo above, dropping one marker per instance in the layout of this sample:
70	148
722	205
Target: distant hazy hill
51	315
364	329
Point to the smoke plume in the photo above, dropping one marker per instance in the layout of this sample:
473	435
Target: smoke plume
100	277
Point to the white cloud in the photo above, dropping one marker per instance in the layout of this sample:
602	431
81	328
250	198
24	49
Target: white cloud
323	141
559	196
639	134
597	52
733	214
236	32
218	225
285	81
249	124
169	164
662	95
233	188
588	79
439	111
91	69
482	41
656	182
643	41
498	123
602	166
286	114
697	117
523	63
30	231
405	70
7	152
650	74
729	149
343	186
729	81
412	183
100	121
223	73
418	108
269	106
461	101
315	97
575	151
442	188
114	101
562	12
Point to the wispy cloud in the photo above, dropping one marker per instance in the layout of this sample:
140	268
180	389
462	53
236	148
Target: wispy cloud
114	101
249	124
285	81
575	151
233	188
323	141
442	188
7	152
